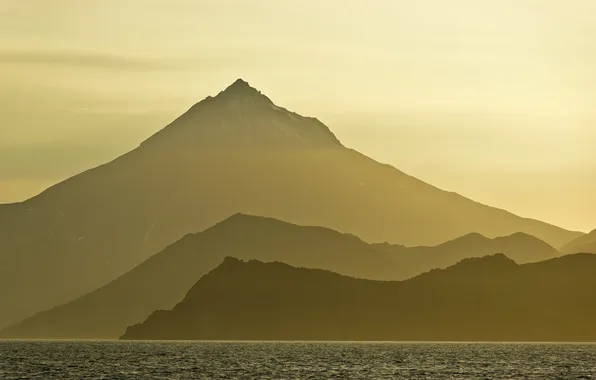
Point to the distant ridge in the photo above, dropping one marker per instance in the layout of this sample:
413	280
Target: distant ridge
522	248
161	281
483	299
234	152
585	244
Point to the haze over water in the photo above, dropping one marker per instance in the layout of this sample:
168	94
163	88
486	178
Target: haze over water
65	360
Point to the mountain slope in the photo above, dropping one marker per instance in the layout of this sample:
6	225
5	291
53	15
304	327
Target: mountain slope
161	281
583	244
235	152
520	247
487	299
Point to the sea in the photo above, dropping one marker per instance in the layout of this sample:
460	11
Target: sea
292	360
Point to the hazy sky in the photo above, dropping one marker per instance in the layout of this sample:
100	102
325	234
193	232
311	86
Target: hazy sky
494	99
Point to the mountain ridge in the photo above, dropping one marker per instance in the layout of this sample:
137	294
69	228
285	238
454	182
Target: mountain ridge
252	300
162	280
586	244
520	247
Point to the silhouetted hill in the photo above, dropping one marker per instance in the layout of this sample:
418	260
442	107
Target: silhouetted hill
161	281
164	279
486	299
235	152
583	244
520	247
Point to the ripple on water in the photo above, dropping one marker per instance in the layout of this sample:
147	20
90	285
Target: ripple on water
240	360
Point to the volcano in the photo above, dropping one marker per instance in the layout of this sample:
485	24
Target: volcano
236	152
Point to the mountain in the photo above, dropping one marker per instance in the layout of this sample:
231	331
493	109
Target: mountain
520	247
585	244
486	299
235	152
163	280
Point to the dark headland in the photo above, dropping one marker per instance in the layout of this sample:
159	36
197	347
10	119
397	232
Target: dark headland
485	299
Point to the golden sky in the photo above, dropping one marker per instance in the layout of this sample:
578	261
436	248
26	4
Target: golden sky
494	99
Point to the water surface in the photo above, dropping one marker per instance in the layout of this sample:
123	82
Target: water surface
239	360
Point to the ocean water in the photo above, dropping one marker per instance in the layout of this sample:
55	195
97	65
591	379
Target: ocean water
219	360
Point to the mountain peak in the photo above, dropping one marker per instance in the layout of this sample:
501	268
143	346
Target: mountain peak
238	83
241	88
231	261
466	240
242	117
243	216
484	265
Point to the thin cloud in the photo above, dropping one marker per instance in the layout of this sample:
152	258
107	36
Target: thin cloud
103	61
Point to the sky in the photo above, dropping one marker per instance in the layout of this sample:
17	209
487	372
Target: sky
493	99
